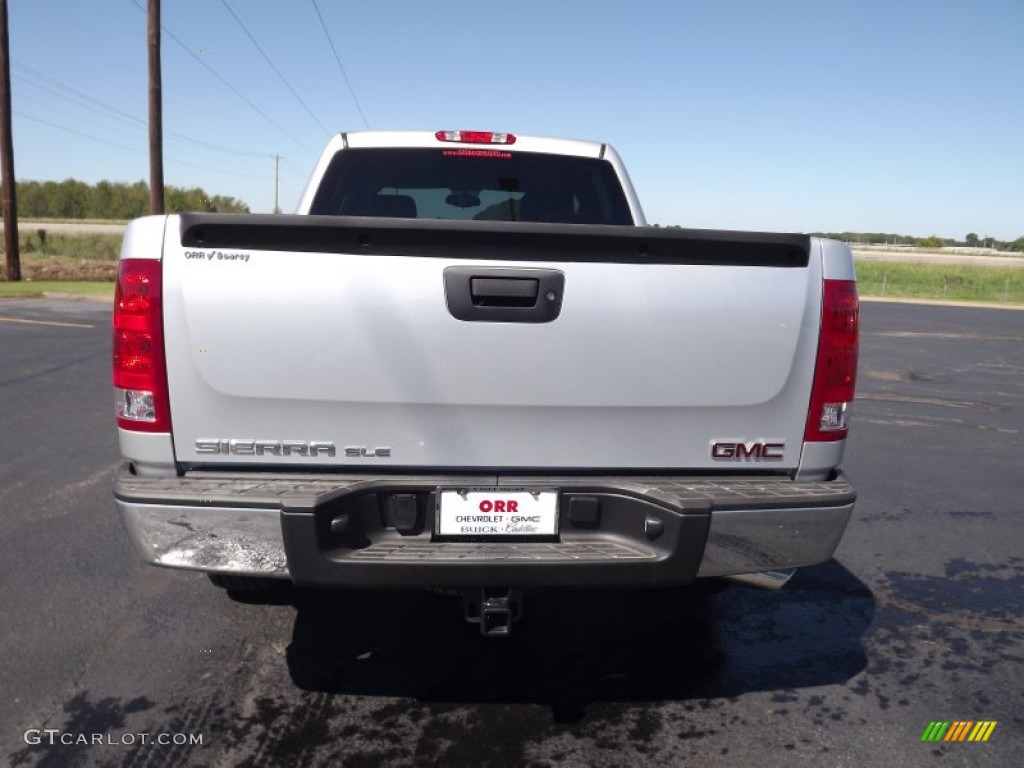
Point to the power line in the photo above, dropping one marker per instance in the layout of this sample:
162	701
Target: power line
274	67
218	170
98	107
90	102
132	122
302	174
341	66
234	90
132	149
95	105
79	133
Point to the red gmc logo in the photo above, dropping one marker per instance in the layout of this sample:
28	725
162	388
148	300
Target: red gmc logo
752	451
499	505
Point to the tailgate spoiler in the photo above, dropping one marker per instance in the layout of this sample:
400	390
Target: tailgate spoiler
506	241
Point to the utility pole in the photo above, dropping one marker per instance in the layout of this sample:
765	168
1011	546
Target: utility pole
156	119
7	154
277	163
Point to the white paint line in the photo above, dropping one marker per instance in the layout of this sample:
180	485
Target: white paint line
44	322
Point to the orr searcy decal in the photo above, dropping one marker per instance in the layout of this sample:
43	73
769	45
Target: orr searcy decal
218	255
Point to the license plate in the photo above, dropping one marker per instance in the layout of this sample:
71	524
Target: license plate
497	512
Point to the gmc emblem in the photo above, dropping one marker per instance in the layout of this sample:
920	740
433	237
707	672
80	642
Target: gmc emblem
750	451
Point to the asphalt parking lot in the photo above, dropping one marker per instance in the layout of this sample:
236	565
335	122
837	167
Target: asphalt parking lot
918	618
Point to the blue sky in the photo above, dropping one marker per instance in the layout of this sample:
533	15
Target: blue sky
902	116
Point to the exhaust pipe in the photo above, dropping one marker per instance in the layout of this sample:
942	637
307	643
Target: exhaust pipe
763	579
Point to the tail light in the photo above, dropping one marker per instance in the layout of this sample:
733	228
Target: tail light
140	374
835	372
475	137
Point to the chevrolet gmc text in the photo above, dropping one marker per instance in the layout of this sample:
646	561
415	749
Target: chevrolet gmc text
468	364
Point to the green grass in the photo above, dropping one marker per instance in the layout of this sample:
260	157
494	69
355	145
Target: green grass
31	288
935	281
32	244
54	256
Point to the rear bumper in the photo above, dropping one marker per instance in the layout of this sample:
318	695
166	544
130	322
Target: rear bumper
378	531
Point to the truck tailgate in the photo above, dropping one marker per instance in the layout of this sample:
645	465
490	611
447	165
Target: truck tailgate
315	341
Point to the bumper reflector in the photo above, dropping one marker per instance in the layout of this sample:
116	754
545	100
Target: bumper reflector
135	404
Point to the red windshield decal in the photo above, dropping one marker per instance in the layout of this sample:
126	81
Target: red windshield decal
493	153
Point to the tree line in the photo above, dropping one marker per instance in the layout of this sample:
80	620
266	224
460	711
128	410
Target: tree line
971	240
73	199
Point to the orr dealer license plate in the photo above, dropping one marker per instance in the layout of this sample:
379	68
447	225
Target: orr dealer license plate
497	512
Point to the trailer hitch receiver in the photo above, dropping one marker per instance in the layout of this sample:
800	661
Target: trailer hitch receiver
493	608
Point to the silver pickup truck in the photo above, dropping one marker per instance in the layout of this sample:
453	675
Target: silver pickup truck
468	364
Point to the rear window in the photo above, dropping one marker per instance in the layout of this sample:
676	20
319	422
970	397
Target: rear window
471	184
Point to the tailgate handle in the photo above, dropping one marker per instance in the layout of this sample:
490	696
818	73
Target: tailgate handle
504	291
503	294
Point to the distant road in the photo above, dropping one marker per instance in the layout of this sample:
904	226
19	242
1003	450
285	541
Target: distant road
70	228
911	257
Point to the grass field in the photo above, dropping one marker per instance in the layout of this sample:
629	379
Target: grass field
55	256
33	288
932	281
38	242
